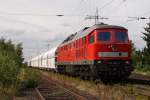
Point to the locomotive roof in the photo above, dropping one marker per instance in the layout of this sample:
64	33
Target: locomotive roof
86	31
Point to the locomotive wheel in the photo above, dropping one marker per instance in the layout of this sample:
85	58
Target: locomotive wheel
84	72
61	69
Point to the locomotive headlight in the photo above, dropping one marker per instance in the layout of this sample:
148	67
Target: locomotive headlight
99	61
114	48
127	62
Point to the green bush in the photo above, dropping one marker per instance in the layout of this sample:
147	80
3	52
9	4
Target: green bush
10	64
145	68
8	70
31	78
30	83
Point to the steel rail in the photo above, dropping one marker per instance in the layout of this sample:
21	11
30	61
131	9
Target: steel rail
67	90
39	93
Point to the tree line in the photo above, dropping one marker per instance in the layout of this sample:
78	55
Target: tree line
141	58
11	58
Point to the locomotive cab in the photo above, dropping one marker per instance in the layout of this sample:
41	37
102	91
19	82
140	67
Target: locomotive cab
112	44
111	50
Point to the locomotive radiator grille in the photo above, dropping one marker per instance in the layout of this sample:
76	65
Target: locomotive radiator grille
112	54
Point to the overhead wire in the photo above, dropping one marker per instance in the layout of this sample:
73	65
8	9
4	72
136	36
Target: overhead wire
137	17
102	7
35	14
25	23
118	6
105	5
146	13
78	7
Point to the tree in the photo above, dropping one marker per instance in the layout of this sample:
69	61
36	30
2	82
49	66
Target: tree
136	55
10	62
146	38
19	54
133	47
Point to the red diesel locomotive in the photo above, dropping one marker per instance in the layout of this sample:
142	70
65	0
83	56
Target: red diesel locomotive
99	51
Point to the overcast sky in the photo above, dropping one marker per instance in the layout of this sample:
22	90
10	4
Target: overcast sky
35	24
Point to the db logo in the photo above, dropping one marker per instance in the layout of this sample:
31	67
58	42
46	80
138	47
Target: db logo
113	47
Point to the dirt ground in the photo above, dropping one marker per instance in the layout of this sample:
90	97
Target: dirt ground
27	94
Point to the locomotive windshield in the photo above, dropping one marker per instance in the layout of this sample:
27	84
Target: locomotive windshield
120	36
103	36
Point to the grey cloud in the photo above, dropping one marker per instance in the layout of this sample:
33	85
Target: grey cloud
66	25
11	32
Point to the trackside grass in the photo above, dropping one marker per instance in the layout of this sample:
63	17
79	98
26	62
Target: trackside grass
7	93
143	70
117	91
27	78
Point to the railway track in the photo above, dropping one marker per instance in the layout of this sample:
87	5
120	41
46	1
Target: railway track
139	79
144	90
141	84
52	90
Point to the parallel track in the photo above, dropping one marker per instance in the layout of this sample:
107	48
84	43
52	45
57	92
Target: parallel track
143	90
50	90
139	79
141	83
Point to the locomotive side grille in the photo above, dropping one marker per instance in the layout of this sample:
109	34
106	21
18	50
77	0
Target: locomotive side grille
112	54
114	62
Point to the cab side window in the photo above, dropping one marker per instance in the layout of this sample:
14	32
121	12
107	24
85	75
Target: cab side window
91	39
103	36
121	36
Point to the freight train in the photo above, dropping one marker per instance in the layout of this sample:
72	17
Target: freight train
100	51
